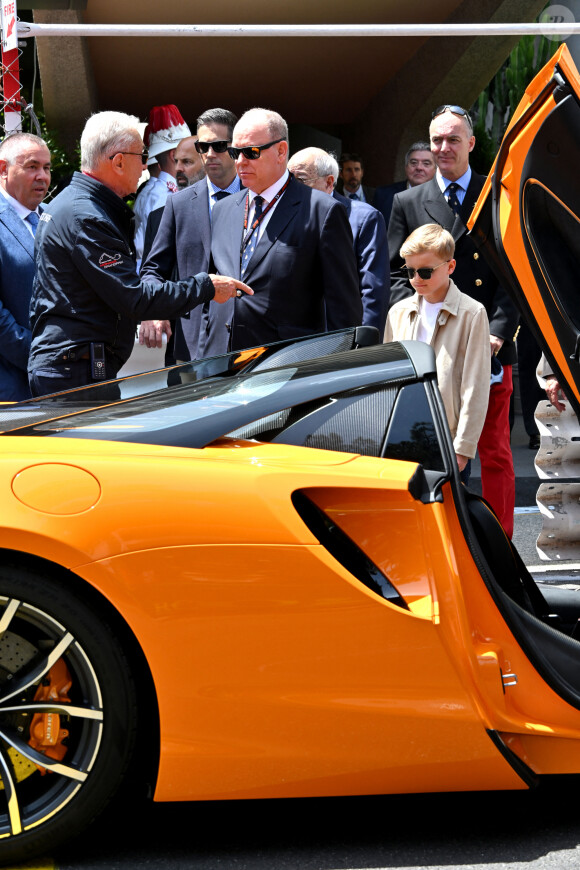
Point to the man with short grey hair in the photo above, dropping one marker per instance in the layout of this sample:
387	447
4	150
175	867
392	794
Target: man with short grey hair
24	180
87	296
319	169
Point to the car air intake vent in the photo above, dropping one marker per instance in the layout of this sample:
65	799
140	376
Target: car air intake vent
344	550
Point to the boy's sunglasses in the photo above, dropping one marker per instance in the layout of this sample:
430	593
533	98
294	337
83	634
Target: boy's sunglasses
425	274
220	146
252	152
455	110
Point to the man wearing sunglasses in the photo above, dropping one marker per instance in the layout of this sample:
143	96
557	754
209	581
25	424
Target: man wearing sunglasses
293	245
183	240
448	200
87	296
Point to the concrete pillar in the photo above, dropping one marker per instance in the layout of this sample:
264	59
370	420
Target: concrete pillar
68	87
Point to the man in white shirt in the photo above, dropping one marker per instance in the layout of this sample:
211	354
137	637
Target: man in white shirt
166	129
24	180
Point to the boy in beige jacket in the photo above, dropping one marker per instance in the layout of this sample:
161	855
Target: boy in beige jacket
457	328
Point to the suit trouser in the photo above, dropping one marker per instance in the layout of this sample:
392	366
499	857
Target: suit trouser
495	454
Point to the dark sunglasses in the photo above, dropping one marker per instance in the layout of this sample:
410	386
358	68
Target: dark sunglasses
425	274
252	152
455	110
220	146
144	155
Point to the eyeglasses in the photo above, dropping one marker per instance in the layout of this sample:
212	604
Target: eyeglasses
144	155
425	274
455	110
252	152
219	146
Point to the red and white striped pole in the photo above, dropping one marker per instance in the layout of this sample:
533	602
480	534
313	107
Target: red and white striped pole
10	67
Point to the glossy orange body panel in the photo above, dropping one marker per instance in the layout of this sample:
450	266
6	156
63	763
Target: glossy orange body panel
277	672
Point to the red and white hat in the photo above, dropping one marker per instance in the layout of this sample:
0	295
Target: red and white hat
165	129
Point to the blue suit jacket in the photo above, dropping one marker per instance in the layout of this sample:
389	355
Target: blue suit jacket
303	271
183	241
16	276
372	259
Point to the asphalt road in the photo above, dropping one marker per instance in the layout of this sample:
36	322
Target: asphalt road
539	830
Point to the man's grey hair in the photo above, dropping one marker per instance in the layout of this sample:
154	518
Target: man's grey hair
218	116
105	134
417	146
12	145
324	162
277	126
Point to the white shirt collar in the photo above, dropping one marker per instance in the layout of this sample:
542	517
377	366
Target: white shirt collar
271	191
20	209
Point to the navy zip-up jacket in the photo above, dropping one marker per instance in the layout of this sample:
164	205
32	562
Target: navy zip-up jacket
86	287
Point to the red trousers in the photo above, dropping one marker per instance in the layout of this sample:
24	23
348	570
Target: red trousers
498	483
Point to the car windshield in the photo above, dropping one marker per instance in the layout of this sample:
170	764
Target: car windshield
194	414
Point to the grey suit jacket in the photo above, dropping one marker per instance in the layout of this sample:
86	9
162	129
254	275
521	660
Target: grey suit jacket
183	242
16	276
425	204
303	271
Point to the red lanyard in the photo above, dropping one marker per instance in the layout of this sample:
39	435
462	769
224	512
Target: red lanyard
257	221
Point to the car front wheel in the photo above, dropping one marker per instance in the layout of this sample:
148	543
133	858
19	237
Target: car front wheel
67	714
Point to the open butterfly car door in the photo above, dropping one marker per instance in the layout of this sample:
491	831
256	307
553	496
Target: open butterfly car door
526	223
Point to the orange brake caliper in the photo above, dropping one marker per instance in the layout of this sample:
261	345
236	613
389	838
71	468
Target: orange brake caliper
46	734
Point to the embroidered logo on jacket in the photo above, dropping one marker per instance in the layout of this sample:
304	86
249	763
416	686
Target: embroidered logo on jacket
108	260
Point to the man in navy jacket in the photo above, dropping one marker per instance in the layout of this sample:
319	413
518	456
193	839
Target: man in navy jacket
292	245
87	296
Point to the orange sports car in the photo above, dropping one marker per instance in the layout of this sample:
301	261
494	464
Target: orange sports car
266	580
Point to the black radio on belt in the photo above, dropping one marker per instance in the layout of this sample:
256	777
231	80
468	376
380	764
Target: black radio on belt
98	369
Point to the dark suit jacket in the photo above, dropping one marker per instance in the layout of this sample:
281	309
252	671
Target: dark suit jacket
372	259
303	271
183	242
384	198
16	276
425	204
151	228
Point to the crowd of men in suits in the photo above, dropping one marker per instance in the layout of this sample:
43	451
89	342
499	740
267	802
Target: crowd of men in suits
261	247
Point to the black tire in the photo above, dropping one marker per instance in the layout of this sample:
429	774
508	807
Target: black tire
49	636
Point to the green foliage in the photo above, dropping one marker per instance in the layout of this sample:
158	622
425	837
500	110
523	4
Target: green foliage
497	103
